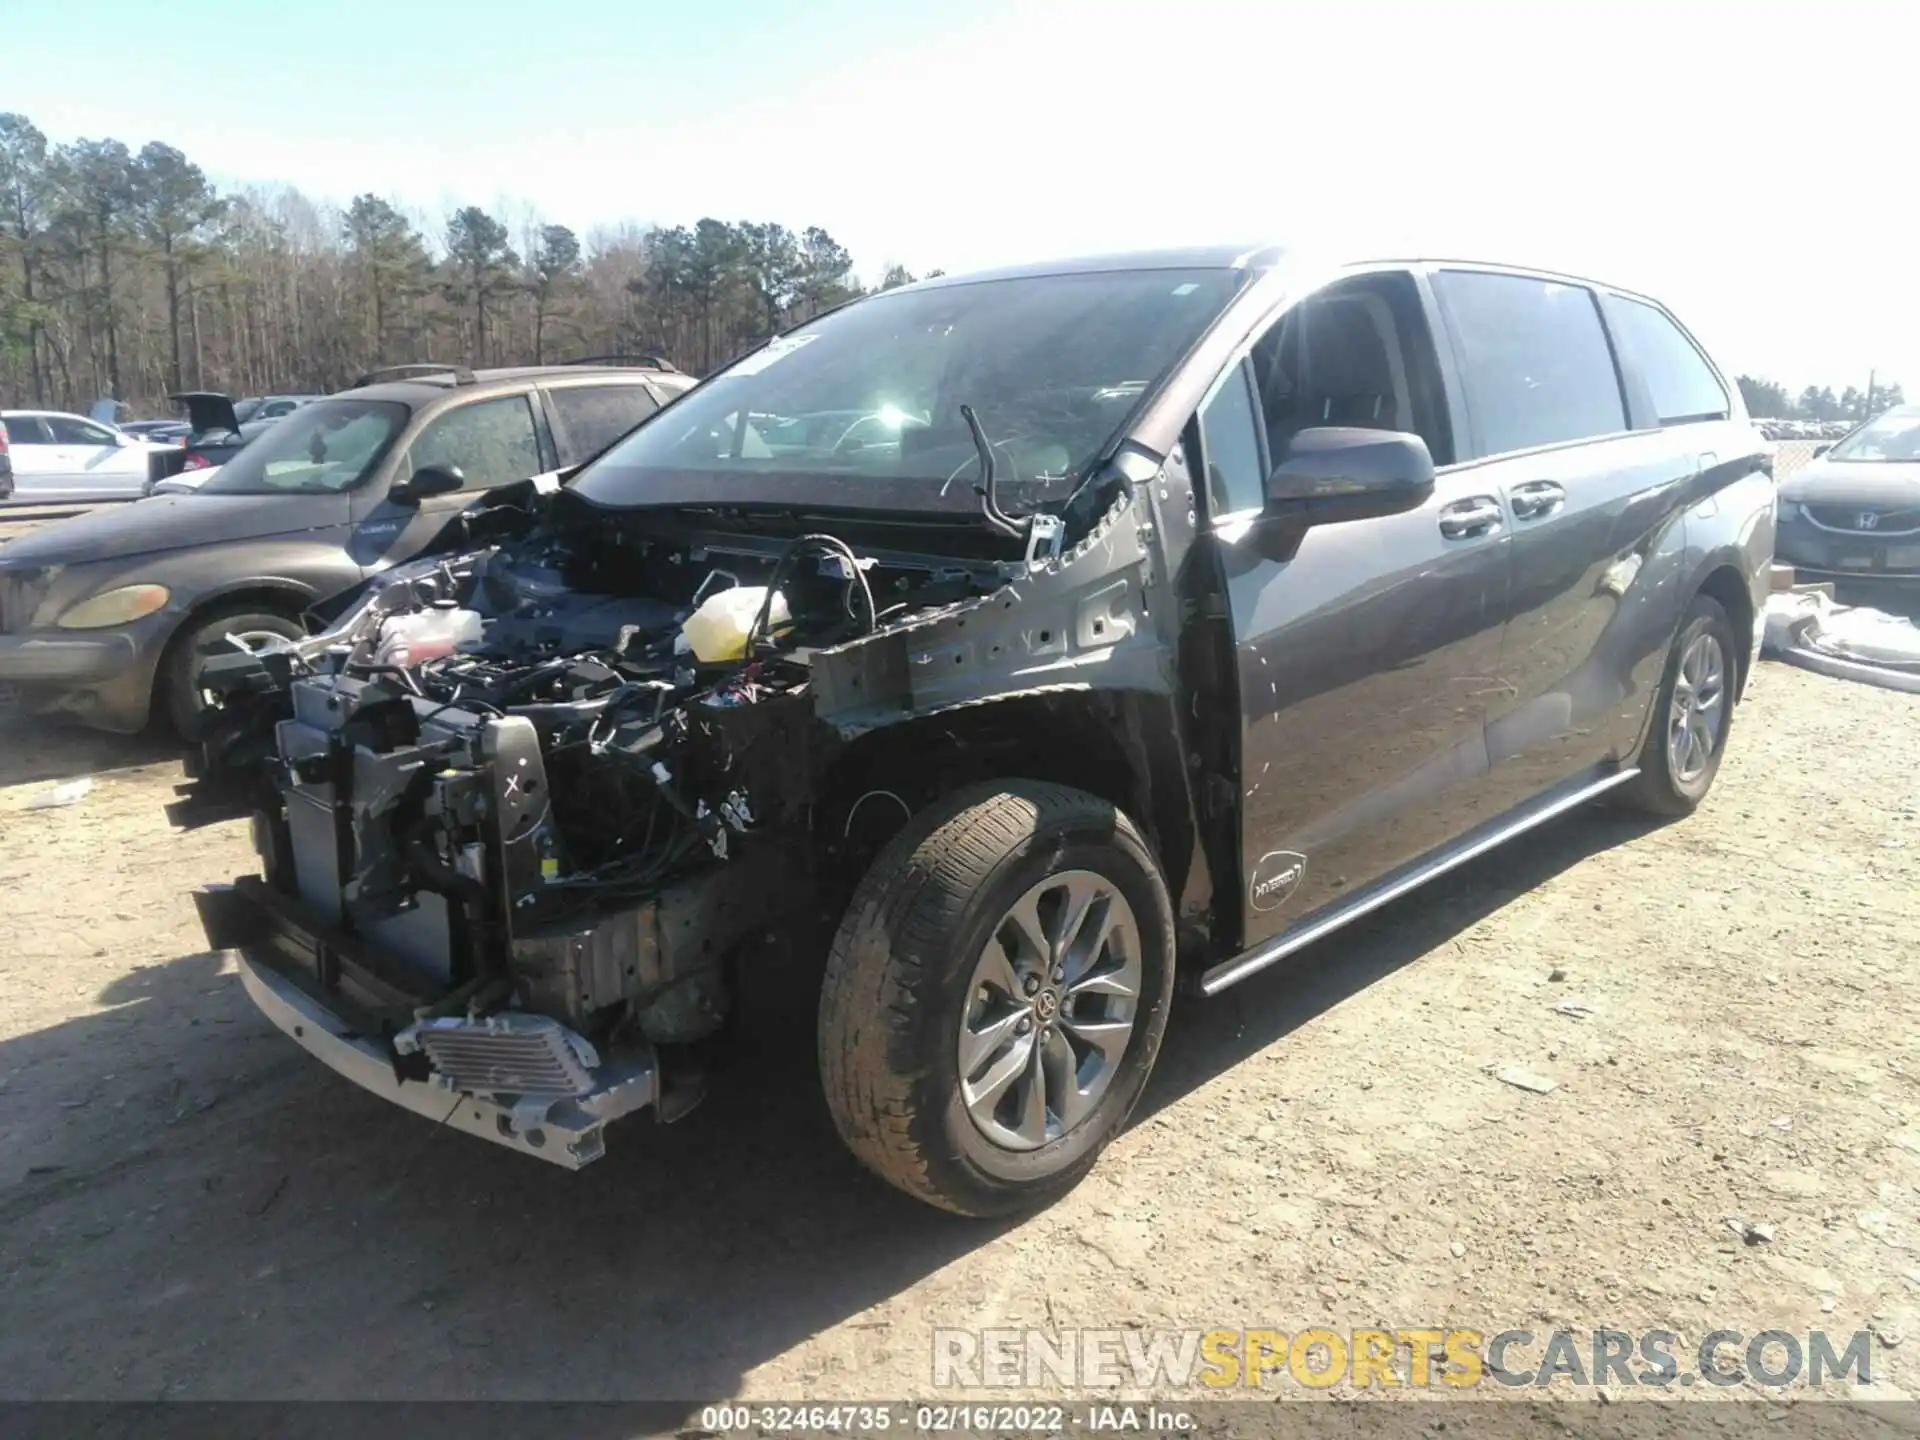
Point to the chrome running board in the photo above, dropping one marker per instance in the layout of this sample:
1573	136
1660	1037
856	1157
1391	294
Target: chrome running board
1251	962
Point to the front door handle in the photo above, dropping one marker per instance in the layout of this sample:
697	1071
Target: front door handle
1464	519
1541	497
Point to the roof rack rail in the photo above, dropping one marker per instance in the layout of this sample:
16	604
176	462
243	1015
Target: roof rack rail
460	373
643	362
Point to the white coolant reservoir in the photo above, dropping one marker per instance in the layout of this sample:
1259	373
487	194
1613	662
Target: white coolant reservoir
426	635
717	631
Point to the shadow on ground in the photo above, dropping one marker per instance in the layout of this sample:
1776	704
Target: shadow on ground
61	750
215	1215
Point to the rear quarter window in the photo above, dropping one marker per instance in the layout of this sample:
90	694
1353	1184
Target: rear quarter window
1680	383
27	430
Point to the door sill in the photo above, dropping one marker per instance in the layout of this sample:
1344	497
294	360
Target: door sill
1253	961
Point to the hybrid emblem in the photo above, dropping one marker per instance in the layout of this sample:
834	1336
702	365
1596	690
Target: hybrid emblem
1275	878
1869	520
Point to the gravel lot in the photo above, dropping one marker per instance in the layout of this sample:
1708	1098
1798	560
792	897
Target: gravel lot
190	1207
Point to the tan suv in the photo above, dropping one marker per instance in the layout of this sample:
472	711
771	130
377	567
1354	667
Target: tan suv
108	615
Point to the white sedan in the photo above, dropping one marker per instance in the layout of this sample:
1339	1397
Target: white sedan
57	456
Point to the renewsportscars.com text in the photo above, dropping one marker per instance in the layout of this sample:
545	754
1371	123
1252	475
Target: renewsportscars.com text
1413	1356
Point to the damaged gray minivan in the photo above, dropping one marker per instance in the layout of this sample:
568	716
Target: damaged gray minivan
1065	629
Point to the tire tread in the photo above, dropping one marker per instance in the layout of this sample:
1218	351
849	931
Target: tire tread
903	914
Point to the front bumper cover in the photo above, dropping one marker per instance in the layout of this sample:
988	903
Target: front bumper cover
1834	555
69	658
103	678
565	1130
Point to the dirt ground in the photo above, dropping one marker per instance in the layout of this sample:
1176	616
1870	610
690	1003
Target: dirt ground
191	1207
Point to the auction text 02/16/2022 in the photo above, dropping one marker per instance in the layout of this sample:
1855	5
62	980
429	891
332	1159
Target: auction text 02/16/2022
945	1419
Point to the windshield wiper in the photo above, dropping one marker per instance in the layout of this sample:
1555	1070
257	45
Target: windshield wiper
985	487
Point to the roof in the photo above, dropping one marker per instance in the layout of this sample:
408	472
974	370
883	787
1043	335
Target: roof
1255	258
1252	257
417	389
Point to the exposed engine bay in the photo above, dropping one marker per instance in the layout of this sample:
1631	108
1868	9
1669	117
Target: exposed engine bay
532	798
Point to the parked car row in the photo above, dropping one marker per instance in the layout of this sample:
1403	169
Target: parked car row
54	456
106	616
1805	429
60	457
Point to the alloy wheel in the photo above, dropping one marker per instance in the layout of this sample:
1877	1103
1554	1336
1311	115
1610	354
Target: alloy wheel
1698	712
1050	1010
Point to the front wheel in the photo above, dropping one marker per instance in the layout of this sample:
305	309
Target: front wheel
250	625
996	995
1692	715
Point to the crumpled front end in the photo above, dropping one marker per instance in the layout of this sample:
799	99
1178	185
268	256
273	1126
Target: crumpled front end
528	1110
530	818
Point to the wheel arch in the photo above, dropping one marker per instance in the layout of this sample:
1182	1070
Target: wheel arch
285	597
1121	746
1724	583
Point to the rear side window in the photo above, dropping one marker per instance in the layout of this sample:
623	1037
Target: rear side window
1679	380
492	442
69	431
1534	360
27	430
592	417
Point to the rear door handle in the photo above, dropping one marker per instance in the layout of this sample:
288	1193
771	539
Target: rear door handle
1478	515
1541	497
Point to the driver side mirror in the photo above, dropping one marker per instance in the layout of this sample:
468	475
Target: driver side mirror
1822	449
425	482
1335	473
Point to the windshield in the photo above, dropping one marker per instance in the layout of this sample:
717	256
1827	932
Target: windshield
1893	436
1052	365
320	449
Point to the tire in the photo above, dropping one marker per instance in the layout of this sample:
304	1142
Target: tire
179	695
1662	786
906	972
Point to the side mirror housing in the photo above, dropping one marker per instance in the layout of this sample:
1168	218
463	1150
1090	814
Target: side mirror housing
1822	449
1333	474
428	481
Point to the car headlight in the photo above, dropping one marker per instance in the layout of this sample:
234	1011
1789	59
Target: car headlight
1792	510
114	607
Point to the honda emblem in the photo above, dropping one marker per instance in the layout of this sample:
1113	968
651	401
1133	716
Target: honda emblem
1869	520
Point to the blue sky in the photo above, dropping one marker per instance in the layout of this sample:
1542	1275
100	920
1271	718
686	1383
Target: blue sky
1738	160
